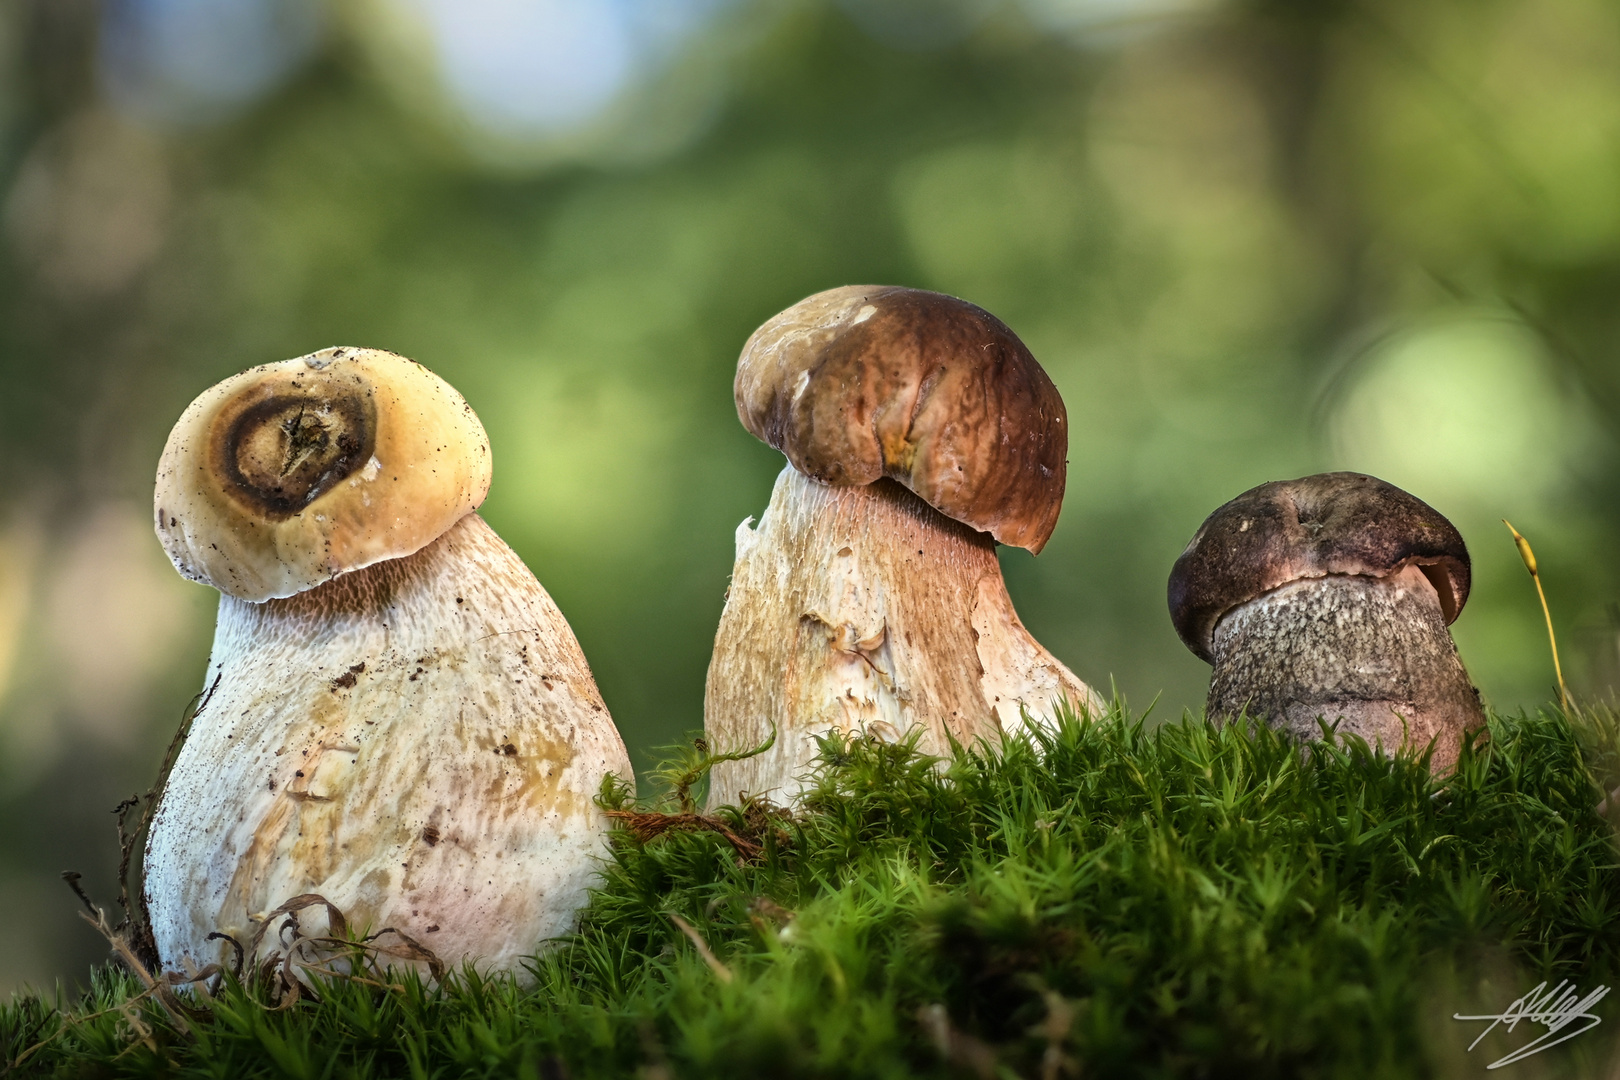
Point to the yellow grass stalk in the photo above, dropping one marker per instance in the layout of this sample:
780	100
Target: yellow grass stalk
1529	558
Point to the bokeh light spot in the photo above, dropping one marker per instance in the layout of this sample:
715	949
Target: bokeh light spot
185	61
532	66
1463	411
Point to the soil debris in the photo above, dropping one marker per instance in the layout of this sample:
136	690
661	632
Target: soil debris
347	680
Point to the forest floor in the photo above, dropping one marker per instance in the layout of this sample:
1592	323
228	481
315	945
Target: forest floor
1099	899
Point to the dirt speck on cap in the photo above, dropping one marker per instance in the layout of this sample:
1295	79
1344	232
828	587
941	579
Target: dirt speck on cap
347	680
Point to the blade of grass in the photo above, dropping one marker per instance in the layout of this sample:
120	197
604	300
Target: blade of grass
1529	558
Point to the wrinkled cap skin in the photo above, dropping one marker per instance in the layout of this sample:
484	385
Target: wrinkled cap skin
292	473
867	381
1288	530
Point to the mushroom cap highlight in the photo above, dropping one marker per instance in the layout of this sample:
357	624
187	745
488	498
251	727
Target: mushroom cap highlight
1289	530
292	473
867	381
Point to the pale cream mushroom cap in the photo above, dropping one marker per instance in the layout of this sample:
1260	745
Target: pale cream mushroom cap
292	473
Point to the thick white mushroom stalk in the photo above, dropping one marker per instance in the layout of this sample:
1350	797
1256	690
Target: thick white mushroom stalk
862	610
419	742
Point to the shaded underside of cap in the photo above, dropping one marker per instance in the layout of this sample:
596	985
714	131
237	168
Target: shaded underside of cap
289	474
1287	530
866	381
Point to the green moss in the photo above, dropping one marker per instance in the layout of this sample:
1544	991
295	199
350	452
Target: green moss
1103	899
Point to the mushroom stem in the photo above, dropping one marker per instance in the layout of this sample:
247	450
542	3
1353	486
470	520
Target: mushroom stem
418	741
1372	653
863	610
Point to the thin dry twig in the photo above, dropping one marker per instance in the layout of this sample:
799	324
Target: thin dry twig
956	1047
720	970
1055	1030
136	924
161	989
35	1027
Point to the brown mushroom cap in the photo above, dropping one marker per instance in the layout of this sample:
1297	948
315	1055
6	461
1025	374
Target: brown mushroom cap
867	381
1287	530
292	473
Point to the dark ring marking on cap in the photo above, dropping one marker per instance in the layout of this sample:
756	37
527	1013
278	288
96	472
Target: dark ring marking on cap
284	452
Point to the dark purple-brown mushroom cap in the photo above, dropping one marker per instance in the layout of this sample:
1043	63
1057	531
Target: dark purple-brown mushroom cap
1288	530
862	382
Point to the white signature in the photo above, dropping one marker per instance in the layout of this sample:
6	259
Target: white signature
1556	1009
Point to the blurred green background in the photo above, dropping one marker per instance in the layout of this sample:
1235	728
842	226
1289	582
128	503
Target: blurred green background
1249	241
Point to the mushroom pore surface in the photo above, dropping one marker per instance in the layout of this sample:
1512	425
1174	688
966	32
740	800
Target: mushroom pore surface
863	610
418	741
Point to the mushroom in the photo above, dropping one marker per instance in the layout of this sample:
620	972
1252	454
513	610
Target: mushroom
1329	596
397	718
919	432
